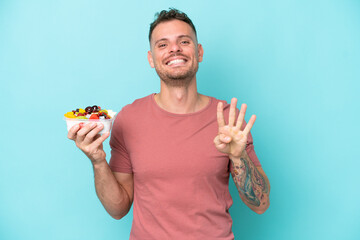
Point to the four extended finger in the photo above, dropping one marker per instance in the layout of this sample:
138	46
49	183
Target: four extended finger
232	113
220	115
241	116
249	125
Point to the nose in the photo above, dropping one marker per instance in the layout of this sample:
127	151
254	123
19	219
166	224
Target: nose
175	47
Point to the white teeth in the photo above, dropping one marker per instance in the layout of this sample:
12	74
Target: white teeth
175	61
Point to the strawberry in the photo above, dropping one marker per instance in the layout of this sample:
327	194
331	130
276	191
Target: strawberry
94	116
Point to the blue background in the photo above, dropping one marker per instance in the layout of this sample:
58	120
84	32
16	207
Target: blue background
295	63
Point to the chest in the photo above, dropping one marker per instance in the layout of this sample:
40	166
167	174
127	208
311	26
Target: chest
176	148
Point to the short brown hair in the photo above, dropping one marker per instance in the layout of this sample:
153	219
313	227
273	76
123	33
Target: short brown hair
172	14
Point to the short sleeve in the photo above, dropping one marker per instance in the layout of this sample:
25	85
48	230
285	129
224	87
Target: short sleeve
120	160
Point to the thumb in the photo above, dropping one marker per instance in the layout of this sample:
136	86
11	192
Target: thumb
224	138
218	143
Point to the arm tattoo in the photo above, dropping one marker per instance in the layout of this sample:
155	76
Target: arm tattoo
249	181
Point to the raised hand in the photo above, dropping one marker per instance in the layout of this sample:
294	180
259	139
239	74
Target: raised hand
231	138
89	141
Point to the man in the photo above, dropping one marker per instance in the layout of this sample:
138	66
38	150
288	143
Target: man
172	152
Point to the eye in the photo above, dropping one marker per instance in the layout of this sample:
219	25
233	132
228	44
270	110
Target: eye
185	42
161	45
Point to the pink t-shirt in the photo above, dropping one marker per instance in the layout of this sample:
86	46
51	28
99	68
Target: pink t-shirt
181	180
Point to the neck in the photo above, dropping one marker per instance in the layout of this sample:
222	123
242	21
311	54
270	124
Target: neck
181	100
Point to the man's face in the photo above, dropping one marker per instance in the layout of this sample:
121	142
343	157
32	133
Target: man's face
175	53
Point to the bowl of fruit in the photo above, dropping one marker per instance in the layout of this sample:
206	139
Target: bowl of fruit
90	114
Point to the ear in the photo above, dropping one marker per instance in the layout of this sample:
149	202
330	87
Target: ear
200	52
150	59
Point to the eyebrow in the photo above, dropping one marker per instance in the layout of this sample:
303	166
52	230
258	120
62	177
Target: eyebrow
180	36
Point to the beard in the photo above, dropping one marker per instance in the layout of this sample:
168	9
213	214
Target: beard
178	77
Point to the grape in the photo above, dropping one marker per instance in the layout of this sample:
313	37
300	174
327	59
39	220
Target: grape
89	109
95	108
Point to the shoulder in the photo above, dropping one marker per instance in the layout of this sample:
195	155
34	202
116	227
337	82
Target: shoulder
137	105
226	106
133	110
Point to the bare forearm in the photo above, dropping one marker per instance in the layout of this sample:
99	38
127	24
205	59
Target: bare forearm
252	185
112	195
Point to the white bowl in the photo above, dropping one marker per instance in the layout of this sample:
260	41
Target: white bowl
70	122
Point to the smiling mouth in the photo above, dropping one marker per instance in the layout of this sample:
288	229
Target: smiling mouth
176	61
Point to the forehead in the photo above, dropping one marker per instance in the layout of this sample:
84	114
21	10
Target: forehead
172	29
